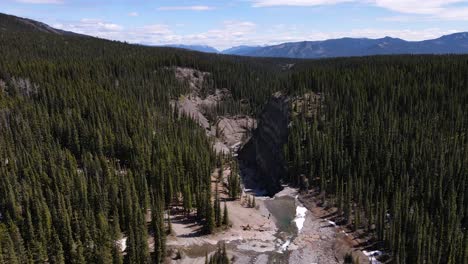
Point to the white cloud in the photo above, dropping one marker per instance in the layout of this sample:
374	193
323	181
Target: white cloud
399	18
87	23
133	14
104	29
231	33
266	3
192	8
454	14
234	33
427	7
156	29
93	27
441	9
40	1
435	9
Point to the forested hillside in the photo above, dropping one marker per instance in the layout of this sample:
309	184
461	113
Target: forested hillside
91	150
389	146
90	147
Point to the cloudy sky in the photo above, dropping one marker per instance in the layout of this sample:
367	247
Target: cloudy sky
223	23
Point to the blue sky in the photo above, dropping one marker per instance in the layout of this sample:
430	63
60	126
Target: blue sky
224	24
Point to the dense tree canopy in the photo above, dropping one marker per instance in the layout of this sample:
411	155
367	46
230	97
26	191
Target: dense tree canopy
89	145
387	140
92	152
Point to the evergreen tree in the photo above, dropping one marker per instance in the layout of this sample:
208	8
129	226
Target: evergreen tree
209	216
217	210
225	215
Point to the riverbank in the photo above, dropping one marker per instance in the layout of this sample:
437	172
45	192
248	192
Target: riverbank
344	241
251	233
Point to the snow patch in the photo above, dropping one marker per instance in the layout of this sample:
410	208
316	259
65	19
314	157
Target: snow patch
342	231
332	223
372	255
300	214
300	217
236	145
284	246
122	243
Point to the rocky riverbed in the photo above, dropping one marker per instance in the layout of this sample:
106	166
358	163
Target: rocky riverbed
279	230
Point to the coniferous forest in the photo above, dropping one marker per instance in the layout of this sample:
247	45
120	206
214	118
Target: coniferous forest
91	150
387	141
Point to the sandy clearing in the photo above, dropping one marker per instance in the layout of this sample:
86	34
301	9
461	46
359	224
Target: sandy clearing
243	244
188	232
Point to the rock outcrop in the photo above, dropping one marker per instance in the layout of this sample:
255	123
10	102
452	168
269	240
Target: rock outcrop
263	153
227	132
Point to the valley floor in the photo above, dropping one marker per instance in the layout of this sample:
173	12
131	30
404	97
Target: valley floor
256	238
252	232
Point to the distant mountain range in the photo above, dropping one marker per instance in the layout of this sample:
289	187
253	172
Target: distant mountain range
201	48
242	50
238	50
345	47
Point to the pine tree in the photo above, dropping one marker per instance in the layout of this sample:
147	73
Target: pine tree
57	254
234	187
159	234
187	199
159	247
224	258
217	210
77	254
169	223
209	216
116	233
225	215
6	244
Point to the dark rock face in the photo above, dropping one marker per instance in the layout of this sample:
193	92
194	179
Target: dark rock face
263	153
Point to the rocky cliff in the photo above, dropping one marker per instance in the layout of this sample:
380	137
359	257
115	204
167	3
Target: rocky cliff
263	153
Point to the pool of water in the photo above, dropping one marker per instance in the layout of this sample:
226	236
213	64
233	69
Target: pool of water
283	210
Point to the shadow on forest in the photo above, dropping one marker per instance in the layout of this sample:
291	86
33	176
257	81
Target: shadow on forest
330	215
196	233
190	222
